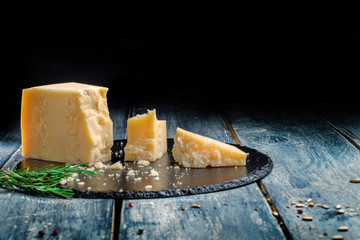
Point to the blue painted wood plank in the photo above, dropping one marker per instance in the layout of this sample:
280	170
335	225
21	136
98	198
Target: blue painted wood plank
311	161
119	114
247	215
233	214
25	215
345	120
10	140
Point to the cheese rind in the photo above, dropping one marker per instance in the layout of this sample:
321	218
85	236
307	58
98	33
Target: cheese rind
196	151
66	122
146	137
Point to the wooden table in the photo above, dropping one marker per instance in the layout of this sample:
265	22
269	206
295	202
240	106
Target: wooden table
315	154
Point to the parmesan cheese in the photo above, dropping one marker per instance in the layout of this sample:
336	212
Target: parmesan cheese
66	122
146	137
196	151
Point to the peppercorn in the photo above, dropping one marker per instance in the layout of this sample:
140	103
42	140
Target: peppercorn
41	233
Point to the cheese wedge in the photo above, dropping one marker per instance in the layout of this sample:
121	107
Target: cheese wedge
146	137
196	151
66	122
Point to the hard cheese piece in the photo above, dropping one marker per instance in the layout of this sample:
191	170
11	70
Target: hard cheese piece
66	122
146	137
193	150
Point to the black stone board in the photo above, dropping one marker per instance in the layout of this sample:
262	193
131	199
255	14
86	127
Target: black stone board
173	180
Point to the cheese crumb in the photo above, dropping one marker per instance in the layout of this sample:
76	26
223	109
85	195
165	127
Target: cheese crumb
99	165
70	179
131	173
116	166
63	181
153	173
143	162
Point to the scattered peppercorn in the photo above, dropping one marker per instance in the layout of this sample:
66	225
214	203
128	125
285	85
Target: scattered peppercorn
307	218
41	233
325	206
130	205
299	211
140	231
55	232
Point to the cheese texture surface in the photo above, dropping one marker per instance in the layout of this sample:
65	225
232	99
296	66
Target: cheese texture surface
146	137
196	151
66	122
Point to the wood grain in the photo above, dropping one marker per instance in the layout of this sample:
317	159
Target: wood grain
26	215
119	114
247	215
10	140
311	160
346	122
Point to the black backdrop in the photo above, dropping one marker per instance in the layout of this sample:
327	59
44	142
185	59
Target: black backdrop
287	62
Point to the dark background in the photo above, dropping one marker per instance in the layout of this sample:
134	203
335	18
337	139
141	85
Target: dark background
281	60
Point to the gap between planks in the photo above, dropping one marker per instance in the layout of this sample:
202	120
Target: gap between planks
115	235
259	183
347	137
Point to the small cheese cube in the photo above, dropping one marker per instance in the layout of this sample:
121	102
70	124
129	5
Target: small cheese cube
196	151
146	137
66	122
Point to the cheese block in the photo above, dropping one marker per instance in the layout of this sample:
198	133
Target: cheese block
196	151
66	122
146	137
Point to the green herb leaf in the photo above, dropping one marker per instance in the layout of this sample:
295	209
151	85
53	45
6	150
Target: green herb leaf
44	180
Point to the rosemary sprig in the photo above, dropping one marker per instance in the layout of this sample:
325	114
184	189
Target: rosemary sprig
44	180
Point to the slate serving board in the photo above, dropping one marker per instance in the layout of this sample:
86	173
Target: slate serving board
173	180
